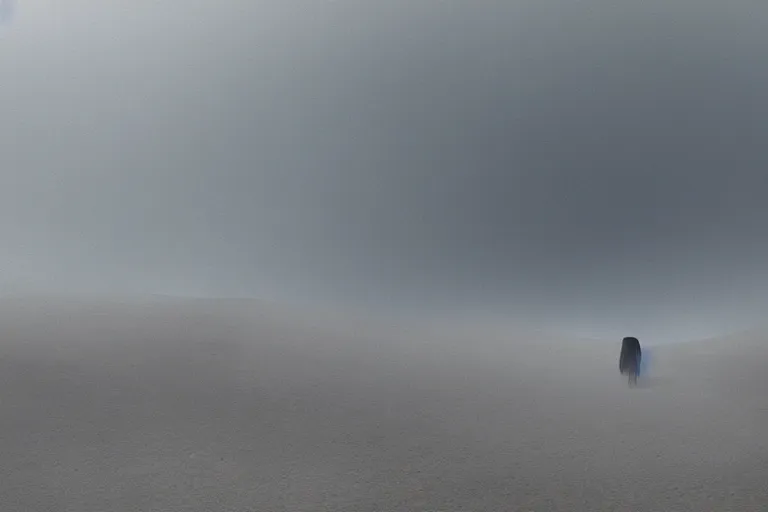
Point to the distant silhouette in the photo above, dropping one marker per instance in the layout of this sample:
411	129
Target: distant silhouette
630	358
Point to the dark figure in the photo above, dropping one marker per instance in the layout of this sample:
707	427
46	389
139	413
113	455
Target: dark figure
629	359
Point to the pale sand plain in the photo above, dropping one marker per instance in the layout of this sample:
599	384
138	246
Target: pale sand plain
164	405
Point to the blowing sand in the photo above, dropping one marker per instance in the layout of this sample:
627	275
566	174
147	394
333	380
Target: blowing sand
230	406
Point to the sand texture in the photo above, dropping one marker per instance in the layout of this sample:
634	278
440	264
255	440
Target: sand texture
227	406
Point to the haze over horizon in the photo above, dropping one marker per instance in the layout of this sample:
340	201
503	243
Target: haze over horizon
587	167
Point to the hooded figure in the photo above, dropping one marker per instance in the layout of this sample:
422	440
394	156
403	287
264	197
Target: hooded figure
630	356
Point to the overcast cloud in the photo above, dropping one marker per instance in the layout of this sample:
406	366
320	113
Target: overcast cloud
590	165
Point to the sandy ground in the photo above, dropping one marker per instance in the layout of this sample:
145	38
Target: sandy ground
228	406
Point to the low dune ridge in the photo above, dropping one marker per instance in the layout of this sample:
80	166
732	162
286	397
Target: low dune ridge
241	405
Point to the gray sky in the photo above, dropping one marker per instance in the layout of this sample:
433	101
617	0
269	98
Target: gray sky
597	166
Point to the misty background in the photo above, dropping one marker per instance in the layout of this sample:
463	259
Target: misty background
589	167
